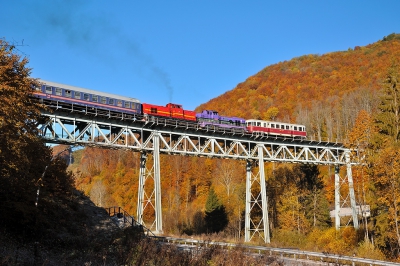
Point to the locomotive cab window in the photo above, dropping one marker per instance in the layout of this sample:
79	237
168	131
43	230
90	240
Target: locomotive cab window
49	90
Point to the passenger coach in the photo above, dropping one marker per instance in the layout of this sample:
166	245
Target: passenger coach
73	95
276	128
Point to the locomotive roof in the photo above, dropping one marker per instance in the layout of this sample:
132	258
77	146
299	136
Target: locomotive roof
73	88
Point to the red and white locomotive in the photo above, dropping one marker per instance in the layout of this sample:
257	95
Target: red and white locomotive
66	94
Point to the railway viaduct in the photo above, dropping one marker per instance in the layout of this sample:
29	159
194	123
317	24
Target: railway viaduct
78	125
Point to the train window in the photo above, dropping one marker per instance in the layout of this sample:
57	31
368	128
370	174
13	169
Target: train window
103	100
111	101
272	125
287	127
94	98
86	97
58	91
119	103
259	124
77	95
68	93
295	128
282	127
265	124
49	90
127	104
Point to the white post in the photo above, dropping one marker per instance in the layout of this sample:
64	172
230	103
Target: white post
157	183
337	197
248	199
264	201
142	179
351	191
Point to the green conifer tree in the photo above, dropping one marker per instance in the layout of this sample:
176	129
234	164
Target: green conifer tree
388	119
216	218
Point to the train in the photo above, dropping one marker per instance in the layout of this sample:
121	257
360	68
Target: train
61	93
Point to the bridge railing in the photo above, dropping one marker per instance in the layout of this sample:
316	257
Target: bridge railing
295	254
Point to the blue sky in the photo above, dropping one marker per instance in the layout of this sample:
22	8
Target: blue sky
185	52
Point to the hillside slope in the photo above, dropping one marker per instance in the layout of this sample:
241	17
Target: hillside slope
281	91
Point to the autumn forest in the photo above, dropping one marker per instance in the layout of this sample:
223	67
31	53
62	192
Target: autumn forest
351	96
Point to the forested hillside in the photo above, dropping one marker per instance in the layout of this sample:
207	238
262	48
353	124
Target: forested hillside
324	92
350	96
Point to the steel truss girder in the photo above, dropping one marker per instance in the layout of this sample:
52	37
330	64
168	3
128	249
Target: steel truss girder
135	136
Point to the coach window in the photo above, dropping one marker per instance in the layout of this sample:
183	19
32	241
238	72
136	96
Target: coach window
259	124
94	98
111	101
287	127
58	91
272	125
127	104
49	90
68	93
77	95
295	128
86	97
103	100
119	103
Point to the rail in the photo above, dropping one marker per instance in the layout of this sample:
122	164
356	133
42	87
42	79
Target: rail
285	252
